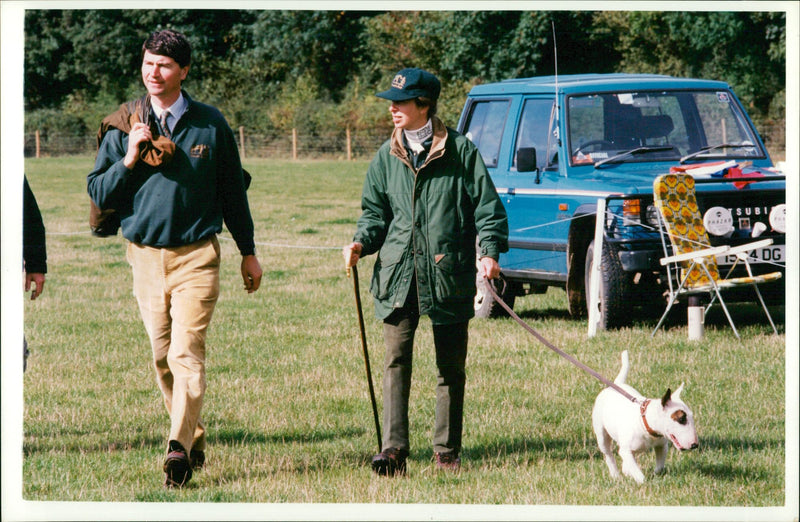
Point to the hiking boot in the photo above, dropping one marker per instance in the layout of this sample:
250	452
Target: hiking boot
448	461
177	467
197	459
391	461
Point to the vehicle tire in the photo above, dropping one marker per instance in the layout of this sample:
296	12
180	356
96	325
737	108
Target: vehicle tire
485	304
616	289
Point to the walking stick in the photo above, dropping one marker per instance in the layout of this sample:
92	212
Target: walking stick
366	354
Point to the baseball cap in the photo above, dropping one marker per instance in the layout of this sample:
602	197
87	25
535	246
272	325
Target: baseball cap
412	83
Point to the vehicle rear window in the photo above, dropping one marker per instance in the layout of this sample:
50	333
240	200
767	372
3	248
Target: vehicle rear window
484	128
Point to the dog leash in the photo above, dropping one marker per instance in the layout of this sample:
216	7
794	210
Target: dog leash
560	352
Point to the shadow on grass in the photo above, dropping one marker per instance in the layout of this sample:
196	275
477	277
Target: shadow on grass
55	442
732	473
743	314
725	470
300	435
537	314
226	436
522	449
729	446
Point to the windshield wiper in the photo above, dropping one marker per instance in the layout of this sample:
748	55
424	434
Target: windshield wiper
633	152
715	147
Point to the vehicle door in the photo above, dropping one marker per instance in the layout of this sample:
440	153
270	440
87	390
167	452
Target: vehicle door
538	219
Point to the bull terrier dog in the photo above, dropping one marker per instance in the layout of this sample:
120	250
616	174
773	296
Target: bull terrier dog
652	423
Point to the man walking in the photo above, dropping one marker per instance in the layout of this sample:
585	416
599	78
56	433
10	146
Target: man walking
34	252
426	197
172	183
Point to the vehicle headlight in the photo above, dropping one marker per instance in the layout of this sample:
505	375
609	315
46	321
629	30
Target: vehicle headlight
652	215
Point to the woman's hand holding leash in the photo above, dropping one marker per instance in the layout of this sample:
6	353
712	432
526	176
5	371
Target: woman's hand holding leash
489	268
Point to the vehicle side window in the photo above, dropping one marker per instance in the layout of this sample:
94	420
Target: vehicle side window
533	133
485	128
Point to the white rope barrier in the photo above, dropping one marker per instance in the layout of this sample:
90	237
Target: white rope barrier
625	221
283	245
259	243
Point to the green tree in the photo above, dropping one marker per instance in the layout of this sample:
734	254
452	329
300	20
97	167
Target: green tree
90	51
285	45
745	49
250	63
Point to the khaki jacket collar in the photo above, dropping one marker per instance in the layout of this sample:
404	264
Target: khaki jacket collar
437	147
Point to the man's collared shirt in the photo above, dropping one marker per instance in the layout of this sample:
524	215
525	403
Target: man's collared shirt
176	110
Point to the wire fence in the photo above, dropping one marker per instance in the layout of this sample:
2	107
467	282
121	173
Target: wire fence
342	144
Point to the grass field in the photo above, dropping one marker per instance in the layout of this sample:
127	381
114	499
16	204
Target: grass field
287	408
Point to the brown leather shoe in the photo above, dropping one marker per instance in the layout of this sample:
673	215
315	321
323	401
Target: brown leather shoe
177	468
197	459
448	461
390	462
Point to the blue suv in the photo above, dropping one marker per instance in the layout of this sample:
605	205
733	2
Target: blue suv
556	145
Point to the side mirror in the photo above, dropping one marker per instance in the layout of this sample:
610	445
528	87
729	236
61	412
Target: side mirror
526	159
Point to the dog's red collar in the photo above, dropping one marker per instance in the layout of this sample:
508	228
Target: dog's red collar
643	409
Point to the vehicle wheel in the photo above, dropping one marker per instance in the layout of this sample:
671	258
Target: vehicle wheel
616	288
485	304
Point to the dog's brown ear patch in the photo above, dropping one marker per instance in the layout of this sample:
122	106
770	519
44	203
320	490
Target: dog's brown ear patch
666	398
679	416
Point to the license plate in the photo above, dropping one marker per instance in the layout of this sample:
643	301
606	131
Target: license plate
769	254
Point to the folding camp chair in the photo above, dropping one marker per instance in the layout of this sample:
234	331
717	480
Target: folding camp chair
692	266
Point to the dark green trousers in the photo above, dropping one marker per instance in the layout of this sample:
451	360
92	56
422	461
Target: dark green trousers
450	342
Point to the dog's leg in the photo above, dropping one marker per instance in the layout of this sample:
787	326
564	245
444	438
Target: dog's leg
605	445
661	457
629	465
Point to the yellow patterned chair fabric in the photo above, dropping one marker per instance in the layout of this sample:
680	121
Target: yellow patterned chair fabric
674	197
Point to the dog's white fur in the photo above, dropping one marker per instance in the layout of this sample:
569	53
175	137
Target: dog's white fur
616	417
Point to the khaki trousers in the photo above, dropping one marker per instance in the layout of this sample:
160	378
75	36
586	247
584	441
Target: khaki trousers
177	290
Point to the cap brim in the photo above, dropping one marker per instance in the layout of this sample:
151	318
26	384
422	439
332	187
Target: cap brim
398	95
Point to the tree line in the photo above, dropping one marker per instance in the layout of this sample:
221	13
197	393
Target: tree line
317	71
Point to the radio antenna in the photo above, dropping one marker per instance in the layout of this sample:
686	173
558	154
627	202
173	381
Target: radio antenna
555	55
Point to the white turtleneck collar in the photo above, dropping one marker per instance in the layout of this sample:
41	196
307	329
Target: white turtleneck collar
416	138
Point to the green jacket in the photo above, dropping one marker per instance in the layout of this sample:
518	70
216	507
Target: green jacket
426	223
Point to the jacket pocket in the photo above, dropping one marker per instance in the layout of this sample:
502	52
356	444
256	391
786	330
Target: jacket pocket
384	275
455	276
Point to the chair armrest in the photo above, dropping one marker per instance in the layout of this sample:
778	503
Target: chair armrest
713	251
749	246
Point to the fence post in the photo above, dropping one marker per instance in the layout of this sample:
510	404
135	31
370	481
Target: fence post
241	141
349	149
294	144
38	144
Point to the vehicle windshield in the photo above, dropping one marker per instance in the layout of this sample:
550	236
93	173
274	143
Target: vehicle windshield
624	127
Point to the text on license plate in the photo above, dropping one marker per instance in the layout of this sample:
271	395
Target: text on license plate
770	254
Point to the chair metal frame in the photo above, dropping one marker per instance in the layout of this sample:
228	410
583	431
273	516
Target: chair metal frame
701	259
